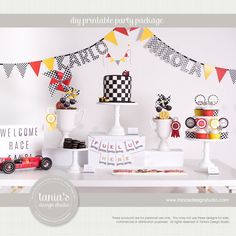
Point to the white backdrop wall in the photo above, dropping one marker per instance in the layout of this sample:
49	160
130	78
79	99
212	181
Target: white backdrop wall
25	101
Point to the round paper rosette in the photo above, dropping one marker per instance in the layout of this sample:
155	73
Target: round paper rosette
201	123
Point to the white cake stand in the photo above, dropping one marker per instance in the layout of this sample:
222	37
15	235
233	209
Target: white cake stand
117	129
206	162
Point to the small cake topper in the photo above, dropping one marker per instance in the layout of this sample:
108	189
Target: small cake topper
213	99
214	123
201	123
125	73
200	99
190	122
163	103
223	123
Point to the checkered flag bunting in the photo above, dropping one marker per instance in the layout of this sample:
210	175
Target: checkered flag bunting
233	75
22	68
8	69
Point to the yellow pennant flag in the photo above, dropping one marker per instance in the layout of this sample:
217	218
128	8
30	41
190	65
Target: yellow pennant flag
112	59
208	70
49	63
111	38
122	59
146	34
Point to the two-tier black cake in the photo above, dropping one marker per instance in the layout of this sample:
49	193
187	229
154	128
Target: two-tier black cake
117	88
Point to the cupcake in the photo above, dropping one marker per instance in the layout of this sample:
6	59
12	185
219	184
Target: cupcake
210	111
201	134
214	134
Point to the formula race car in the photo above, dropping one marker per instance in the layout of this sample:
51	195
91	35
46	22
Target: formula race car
8	166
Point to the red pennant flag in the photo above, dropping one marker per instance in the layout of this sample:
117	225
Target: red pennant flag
35	66
121	30
126	54
108	55
220	73
133	28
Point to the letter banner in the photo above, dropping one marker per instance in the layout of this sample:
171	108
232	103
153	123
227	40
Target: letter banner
116	146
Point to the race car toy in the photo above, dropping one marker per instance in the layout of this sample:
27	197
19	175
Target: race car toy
8	166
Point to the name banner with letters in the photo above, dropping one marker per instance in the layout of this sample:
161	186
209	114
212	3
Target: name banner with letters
113	152
117	146
20	140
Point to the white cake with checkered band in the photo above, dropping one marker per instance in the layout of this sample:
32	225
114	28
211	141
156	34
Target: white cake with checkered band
117	88
206	124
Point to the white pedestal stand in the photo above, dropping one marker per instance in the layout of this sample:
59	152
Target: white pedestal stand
206	162
75	167
117	129
75	155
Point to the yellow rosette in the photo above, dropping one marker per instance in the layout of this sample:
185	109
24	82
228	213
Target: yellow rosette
51	121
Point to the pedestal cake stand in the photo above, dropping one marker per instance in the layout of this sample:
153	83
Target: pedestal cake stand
117	129
206	162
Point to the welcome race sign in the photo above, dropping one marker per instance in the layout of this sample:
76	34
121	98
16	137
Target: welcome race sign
20	140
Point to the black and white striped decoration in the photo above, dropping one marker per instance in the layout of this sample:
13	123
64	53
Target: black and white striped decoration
117	88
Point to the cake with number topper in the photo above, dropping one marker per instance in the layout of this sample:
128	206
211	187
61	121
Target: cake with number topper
117	88
206	124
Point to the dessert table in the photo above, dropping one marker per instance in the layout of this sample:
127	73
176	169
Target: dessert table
105	179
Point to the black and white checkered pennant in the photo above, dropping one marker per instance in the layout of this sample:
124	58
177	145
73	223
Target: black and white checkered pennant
233	75
72	92
59	60
8	69
22	68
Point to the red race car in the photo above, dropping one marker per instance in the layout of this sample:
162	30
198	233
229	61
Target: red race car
8	166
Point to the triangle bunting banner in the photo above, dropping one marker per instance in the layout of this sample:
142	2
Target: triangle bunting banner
49	63
233	75
146	34
208	70
8	69
35	66
122	30
22	68
110	37
132	28
220	73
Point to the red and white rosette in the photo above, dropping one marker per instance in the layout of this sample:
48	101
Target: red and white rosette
201	123
175	126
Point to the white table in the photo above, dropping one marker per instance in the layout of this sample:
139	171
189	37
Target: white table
104	178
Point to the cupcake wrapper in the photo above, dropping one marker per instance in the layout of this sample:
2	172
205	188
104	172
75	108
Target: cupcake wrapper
190	134
224	135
